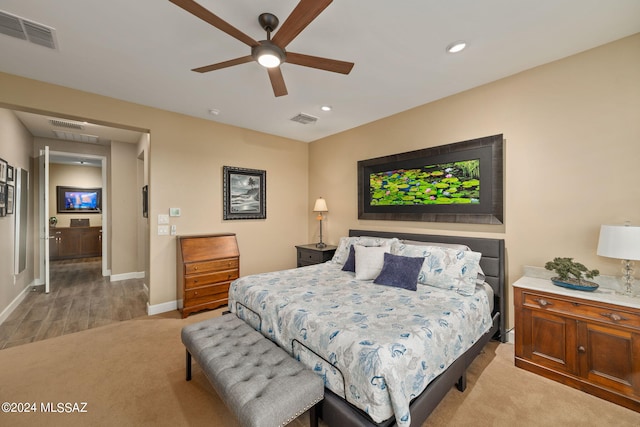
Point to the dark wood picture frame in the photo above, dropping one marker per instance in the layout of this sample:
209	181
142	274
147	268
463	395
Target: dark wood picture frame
4	169
244	193
490	208
9	173
3	200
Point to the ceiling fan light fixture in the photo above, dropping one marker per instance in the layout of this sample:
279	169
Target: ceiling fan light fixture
268	54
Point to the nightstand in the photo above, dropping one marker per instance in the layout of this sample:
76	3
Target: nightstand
309	254
586	340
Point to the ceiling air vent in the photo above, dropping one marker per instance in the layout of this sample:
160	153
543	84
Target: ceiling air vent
305	119
78	137
23	29
63	124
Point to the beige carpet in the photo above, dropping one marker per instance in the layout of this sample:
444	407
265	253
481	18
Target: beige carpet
132	374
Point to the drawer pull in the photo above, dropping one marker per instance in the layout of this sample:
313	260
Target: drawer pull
613	316
195	293
581	349
195	281
195	268
543	302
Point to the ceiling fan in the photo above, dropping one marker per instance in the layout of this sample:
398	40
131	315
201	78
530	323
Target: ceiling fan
270	53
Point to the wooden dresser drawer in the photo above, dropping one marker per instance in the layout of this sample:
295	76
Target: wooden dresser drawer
583	309
198	280
213	265
210	293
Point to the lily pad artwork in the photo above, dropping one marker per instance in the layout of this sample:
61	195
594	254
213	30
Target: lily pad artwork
454	183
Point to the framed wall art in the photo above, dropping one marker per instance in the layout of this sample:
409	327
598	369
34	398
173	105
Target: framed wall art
4	167
244	193
10	198
459	183
9	173
3	199
145	201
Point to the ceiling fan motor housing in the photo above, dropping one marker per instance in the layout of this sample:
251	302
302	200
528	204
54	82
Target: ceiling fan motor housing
268	54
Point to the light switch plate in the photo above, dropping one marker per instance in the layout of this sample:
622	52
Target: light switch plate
163	219
163	230
173	230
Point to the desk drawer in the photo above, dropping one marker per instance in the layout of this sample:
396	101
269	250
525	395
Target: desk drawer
213	265
197	280
205	294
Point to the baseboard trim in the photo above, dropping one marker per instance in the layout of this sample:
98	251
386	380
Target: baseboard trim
127	276
161	308
15	303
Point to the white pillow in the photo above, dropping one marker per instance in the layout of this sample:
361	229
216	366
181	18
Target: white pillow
342	252
444	267
369	261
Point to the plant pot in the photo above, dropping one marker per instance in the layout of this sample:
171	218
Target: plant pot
580	285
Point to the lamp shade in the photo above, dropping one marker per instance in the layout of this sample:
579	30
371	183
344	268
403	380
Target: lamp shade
320	206
619	241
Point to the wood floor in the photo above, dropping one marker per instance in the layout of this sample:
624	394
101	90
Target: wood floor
80	298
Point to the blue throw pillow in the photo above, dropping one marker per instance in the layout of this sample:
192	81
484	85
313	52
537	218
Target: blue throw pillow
400	271
350	263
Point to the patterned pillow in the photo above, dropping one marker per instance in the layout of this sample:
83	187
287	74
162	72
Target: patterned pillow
400	271
342	252
444	267
369	261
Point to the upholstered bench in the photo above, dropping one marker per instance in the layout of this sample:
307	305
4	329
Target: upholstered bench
257	380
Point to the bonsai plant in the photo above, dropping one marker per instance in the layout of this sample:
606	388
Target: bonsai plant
565	267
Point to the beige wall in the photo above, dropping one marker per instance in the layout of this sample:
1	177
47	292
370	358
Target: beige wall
186	156
124	208
73	176
572	153
15	148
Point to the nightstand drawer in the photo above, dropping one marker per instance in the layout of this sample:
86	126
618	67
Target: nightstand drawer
583	309
313	257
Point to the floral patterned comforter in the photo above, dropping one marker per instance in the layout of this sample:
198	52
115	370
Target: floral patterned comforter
376	346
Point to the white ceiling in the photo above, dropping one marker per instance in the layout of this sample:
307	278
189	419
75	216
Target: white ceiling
142	51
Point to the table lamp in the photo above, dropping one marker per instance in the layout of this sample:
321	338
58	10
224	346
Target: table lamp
320	207
622	242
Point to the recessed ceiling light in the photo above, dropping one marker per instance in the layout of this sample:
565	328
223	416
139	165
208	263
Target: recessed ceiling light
456	47
326	108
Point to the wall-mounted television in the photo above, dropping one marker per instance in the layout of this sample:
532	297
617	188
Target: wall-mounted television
79	200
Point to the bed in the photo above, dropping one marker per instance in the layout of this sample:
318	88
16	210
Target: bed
387	355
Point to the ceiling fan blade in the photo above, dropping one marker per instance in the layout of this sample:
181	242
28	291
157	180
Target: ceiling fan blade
326	64
277	81
305	12
204	14
224	64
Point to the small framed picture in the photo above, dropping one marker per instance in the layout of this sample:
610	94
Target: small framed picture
145	201
9	173
4	166
3	199
244	193
10	198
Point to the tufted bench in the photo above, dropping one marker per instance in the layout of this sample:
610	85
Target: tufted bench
257	380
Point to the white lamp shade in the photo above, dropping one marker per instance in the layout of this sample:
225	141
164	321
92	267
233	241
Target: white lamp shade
619	241
320	206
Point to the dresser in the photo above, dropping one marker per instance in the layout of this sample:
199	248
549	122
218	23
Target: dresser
309	254
206	265
586	340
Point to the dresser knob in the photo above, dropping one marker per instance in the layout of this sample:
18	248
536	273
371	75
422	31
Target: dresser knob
543	302
581	349
195	293
195	281
195	268
613	316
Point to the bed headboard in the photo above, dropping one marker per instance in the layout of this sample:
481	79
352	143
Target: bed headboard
492	262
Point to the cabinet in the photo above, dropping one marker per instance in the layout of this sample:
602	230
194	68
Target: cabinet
206	265
309	254
589	342
75	242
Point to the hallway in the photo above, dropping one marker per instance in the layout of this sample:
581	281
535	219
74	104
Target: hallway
80	298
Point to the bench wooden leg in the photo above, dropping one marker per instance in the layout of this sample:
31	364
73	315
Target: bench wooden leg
188	365
461	385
